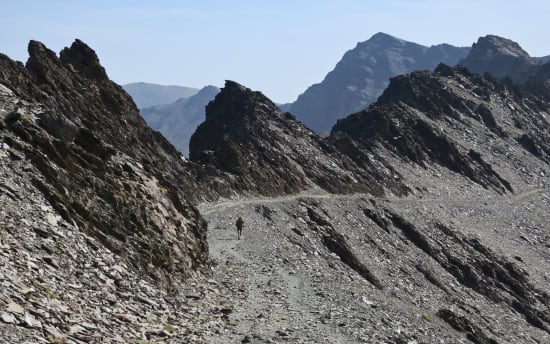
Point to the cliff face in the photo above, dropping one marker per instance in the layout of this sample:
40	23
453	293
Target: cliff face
98	163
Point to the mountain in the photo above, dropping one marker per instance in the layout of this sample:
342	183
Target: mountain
177	121
146	94
96	153
542	59
269	152
460	256
455	135
461	113
499	57
91	197
423	218
363	73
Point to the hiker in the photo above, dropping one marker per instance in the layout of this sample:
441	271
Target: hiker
239	224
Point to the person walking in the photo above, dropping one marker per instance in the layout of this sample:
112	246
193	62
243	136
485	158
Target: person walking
239	224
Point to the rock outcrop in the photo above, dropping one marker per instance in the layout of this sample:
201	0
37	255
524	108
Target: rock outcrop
263	150
362	75
503	58
97	162
499	57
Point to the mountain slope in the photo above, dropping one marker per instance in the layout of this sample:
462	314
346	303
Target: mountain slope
362	74
177	121
99	163
146	94
266	151
462	258
479	128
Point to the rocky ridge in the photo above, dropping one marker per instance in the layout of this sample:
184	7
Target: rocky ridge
362	75
265	151
99	165
502	58
480	128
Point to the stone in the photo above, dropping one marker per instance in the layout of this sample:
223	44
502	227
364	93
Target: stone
15	308
52	219
8	318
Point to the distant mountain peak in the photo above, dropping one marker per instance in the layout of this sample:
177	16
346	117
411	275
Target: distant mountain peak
146	94
383	36
492	45
362	75
179	119
500	57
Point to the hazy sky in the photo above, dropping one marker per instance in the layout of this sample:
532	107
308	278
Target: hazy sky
279	47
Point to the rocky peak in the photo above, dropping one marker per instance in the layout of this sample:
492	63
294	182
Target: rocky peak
492	45
269	152
236	102
381	40
83	59
41	62
362	75
499	57
38	53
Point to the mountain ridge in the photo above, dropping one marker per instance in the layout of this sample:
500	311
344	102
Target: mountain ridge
362	74
147	94
178	120
420	218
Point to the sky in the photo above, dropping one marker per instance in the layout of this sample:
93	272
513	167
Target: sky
279	47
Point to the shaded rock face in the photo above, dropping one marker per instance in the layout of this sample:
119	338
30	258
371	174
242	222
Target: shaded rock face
266	151
98	163
363	74
502	58
458	120
177	121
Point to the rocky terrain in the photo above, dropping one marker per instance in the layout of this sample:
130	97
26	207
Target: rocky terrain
422	219
97	233
362	75
436	270
464	257
177	121
267	152
61	284
146	95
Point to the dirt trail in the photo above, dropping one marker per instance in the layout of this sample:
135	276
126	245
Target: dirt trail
208	208
288	292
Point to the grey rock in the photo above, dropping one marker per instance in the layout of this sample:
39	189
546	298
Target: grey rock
8	318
